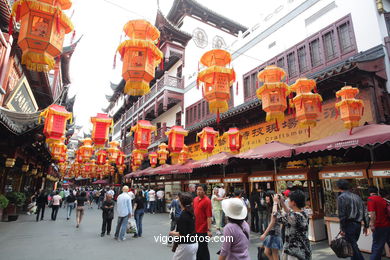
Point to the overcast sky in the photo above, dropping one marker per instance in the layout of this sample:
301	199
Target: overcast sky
101	22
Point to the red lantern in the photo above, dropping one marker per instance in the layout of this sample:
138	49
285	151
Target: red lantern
55	122
183	157
234	139
351	109
57	150
106	168
79	156
113	151
142	134
162	153
207	139
101	157
86	150
176	142
153	159
121	169
137	157
120	160
101	125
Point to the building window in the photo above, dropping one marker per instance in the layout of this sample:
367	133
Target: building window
231	99
204	104
292	65
187	117
179	72
199	111
253	84
315	53
195	113
246	87
329	45
302	60
345	38
280	63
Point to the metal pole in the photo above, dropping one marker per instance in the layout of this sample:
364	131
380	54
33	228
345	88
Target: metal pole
275	170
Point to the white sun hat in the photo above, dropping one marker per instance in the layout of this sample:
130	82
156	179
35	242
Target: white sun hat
234	208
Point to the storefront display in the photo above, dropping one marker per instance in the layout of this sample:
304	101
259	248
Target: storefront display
264	179
235	182
380	173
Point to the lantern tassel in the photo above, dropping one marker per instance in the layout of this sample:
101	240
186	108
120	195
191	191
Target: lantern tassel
301	105
236	88
320	107
350	131
197	80
257	84
308	131
202	91
276	125
73	36
362	111
218	117
58	22
337	113
114	63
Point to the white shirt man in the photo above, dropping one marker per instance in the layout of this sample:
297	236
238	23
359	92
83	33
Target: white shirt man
152	195
221	192
160	194
124	210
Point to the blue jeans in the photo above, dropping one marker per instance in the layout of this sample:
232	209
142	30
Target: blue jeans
352	233
139	214
152	207
380	237
69	208
121	227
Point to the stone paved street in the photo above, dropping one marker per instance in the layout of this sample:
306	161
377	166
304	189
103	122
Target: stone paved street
27	239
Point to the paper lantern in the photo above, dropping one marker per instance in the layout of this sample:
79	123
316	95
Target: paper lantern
42	30
153	159
176	142
86	150
307	104
57	150
63	4
120	160
137	157
140	56
55	122
216	79
101	126
107	168
79	156
162	153
113	151
121	169
234	139
207	139
183	157
101	157
351	109
142	134
273	93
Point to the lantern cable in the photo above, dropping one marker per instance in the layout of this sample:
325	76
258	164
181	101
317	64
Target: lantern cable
124	8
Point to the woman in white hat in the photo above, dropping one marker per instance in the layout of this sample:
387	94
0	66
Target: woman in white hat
236	232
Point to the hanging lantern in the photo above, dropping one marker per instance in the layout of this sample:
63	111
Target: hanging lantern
113	151
176	141
351	109
112	170
101	126
207	139
134	168
86	150
121	169
234	139
93	165
217	79
120	160
162	153
107	168
153	159
140	56
79	156
307	104
273	93
55	122
57	150
43	26
137	157
183	157
142	134
101	157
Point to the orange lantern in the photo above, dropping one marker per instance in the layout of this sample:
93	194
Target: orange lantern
183	157
55	122
86	150
153	159
107	168
112	170
101	125
113	151
137	157
273	93
351	109
134	168
93	165
42	31
142	134
307	104
207	139
140	56
234	139
162	153
216	79
57	150
120	160
79	156
176	142
121	169
101	157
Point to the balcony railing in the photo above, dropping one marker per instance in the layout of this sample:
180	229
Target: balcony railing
160	134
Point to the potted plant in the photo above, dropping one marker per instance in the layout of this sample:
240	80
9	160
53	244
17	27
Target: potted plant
3	204
16	199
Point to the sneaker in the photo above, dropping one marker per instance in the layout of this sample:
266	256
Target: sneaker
123	239
108	234
77	226
102	234
135	236
67	218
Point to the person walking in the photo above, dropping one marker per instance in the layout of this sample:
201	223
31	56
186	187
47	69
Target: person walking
352	212
187	246
262	210
192	189
55	205
236	248
152	201
160	201
175	212
41	201
139	211
124	213
80	201
379	223
254	201
70	204
297	244
107	215
203	217
217	210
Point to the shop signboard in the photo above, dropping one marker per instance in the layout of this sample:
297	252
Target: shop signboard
291	177
342	175
22	99
213	181
232	180
381	173
261	179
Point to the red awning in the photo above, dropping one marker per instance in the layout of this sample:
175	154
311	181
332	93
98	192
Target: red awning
216	159
361	136
176	169
268	151
100	182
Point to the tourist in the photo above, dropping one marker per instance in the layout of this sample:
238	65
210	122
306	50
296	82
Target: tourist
56	202
297	245
237	229
152	201
146	195
217	210
352	212
102	194
262	209
187	246
139	211
203	217
160	201
192	189
62	194
272	235
254	201
175	211
66	193
80	201
124	213
107	215
379	223
70	204
41	201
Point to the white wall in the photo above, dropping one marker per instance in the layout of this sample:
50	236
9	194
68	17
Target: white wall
169	117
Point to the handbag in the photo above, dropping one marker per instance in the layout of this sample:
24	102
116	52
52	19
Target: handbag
131	227
174	246
341	247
